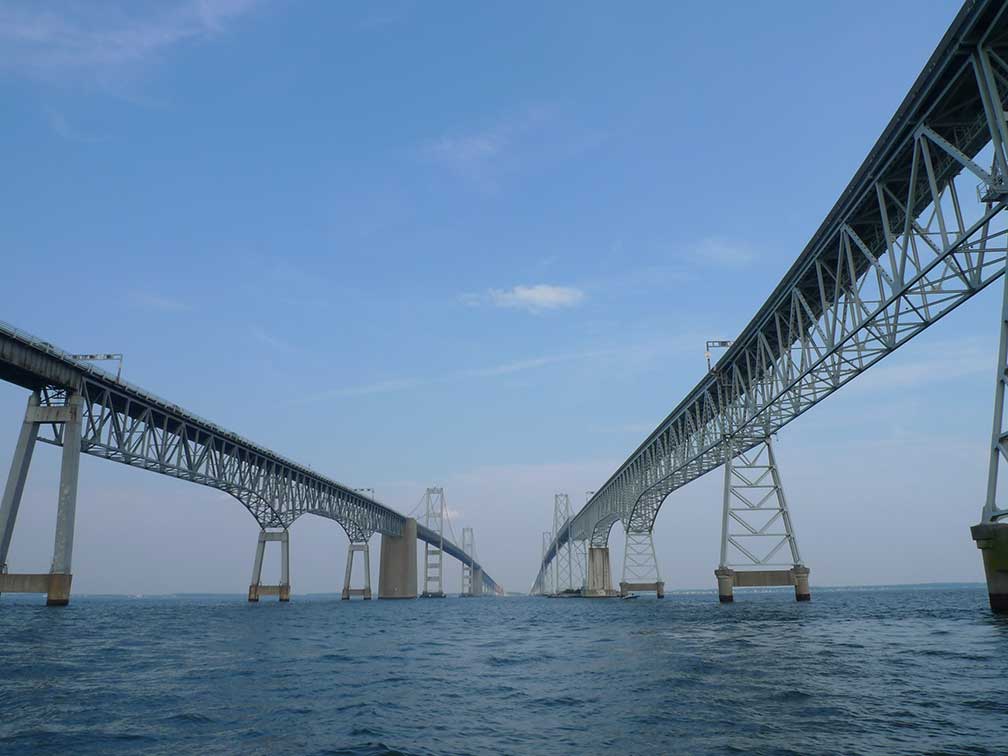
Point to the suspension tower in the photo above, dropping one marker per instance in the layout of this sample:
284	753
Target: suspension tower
434	553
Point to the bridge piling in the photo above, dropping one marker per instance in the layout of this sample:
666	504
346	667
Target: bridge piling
599	573
756	526
348	589
397	570
640	565
55	584
16	479
256	587
991	535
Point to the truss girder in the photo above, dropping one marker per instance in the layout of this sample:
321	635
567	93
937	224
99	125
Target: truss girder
917	232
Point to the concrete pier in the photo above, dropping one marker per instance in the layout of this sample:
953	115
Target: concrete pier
729	579
56	583
397	571
992	540
599	574
256	587
627	588
348	591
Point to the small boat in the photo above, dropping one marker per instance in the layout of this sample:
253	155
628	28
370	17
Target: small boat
629	596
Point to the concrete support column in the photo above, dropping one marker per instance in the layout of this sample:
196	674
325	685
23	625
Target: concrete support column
801	583
992	540
66	510
725	584
599	573
349	591
256	587
11	501
397	571
477	581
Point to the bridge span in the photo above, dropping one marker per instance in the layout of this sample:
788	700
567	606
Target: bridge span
917	231
84	409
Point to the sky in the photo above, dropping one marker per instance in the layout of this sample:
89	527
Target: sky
472	245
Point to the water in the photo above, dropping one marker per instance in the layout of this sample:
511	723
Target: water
860	671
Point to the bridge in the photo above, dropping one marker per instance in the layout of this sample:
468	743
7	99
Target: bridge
917	231
83	409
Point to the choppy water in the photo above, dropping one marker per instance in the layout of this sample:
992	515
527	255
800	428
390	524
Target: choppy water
874	671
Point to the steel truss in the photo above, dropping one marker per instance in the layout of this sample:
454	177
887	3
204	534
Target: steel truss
562	572
127	424
469	547
434	552
916	233
122	428
756	524
640	563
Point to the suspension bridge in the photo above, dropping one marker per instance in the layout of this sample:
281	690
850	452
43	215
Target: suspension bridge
917	231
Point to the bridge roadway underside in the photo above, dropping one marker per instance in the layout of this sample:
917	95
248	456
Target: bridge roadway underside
83	409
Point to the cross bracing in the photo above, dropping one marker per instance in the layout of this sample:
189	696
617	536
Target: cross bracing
915	234
128	424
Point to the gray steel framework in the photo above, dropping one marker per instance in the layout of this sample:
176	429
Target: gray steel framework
433	552
915	234
125	423
756	523
564	560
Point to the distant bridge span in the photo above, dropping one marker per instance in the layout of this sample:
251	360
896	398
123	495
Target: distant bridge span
123	422
915	233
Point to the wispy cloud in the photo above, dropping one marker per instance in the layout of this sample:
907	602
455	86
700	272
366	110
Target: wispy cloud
265	337
534	298
104	41
65	130
394	385
722	253
474	154
150	301
379	387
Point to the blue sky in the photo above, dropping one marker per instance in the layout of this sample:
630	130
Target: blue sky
466	244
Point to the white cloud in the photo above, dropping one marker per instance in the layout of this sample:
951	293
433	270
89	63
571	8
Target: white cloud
534	298
476	155
151	301
104	40
264	337
722	253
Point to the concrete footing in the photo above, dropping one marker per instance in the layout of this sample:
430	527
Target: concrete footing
599	584
397	571
56	586
628	588
992	540
365	591
282	590
729	579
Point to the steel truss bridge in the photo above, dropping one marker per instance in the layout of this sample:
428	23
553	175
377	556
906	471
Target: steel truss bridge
119	421
915	233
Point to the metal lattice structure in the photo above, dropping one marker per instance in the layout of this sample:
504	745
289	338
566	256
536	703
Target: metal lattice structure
469	546
433	552
756	528
127	424
561	516
916	233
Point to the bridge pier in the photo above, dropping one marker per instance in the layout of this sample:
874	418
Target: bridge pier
397	570
256	588
599	573
756	526
349	591
728	579
640	565
56	583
